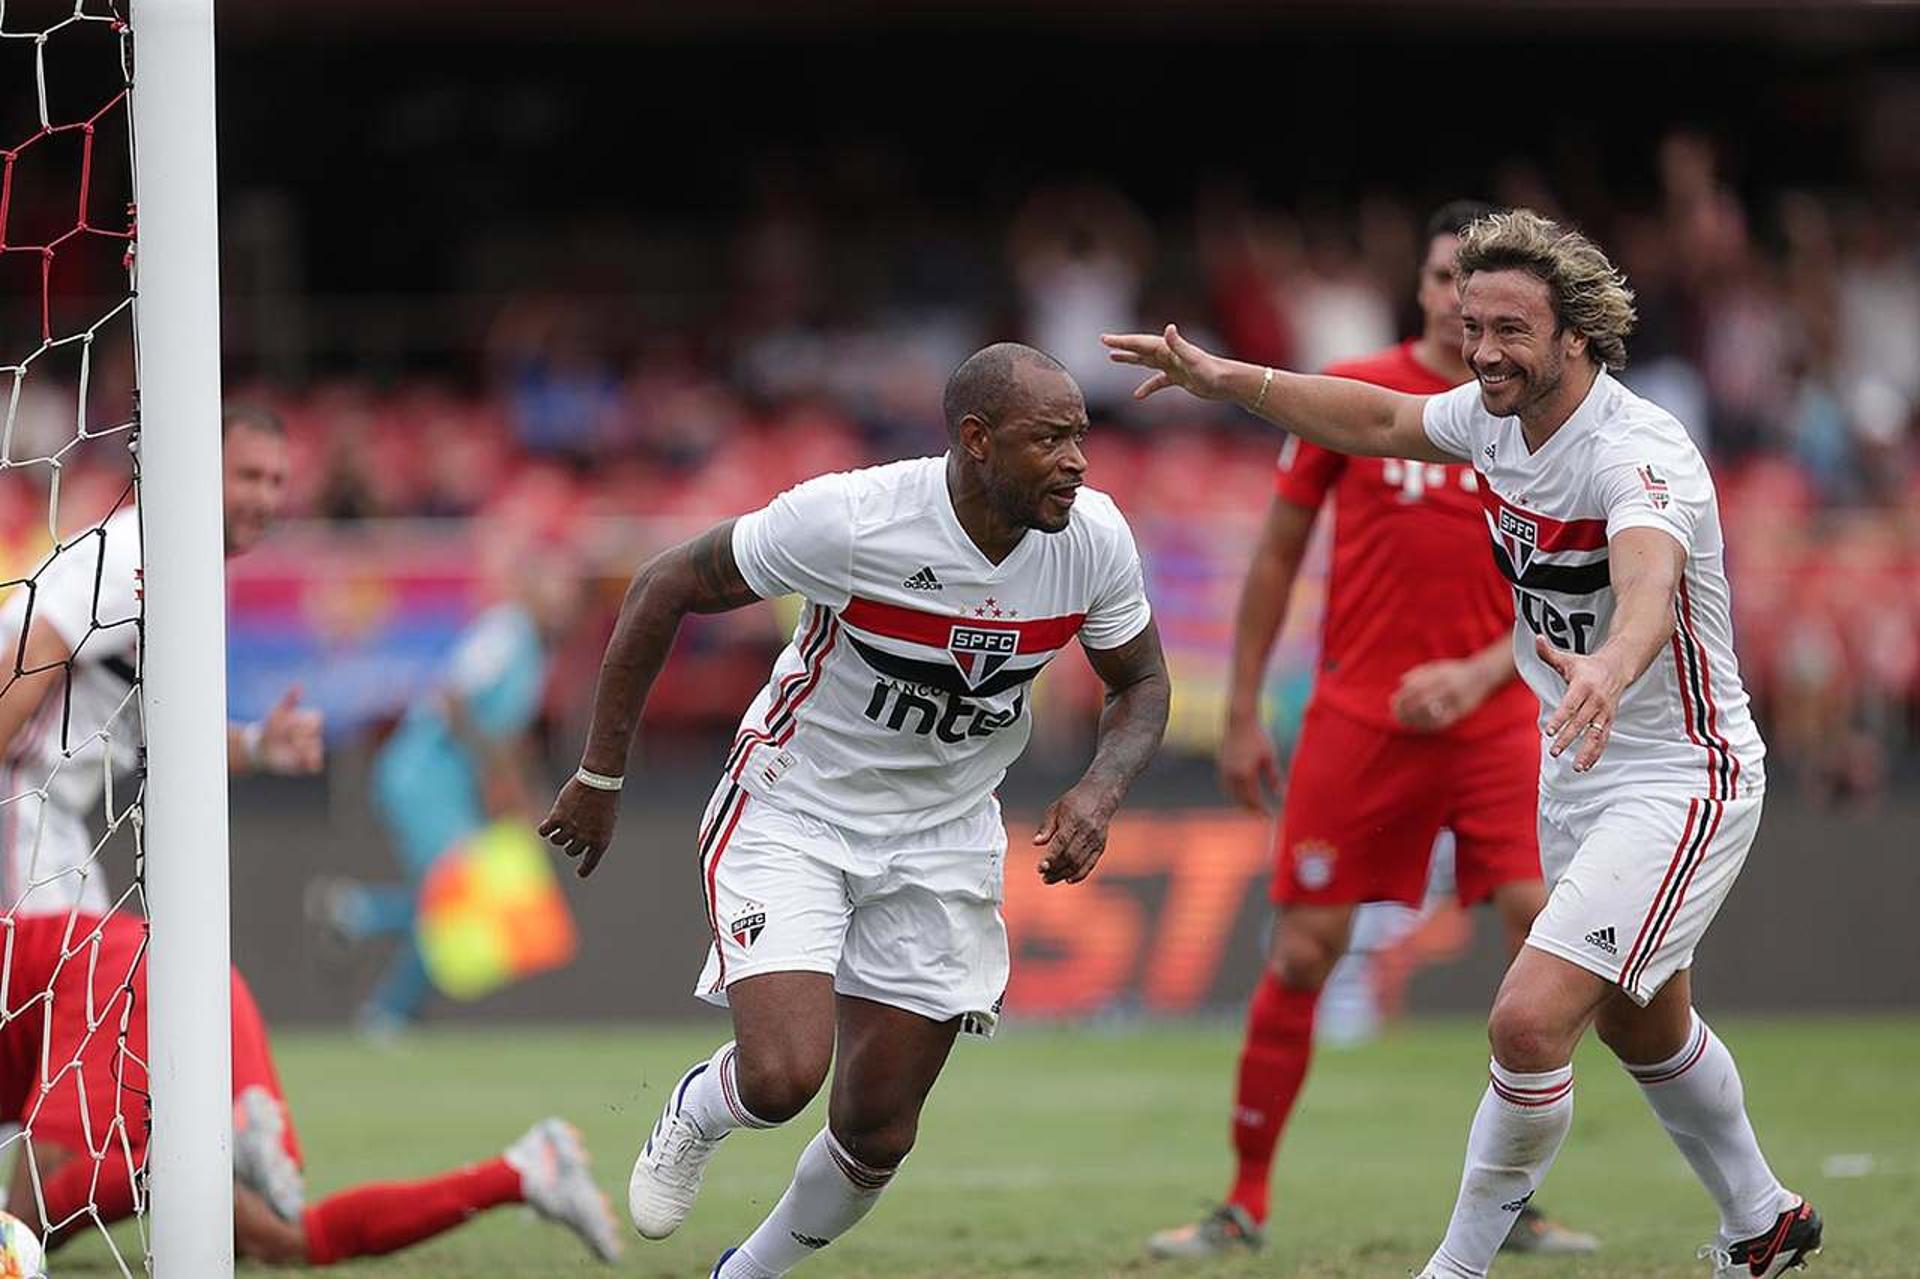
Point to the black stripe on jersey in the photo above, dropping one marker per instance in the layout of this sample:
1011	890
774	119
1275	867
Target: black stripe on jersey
941	675
1676	891
1563	579
120	668
1720	783
1729	766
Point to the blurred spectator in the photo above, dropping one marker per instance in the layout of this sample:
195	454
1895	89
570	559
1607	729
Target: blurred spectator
1080	256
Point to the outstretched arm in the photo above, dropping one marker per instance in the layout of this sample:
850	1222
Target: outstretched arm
699	576
1336	413
1074	828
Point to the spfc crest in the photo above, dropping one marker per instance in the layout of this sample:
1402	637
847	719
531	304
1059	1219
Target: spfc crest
1520	536
979	651
748	923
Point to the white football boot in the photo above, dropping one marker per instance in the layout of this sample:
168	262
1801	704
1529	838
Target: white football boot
667	1175
260	1159
556	1176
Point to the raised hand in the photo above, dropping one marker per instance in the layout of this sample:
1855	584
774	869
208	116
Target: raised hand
1175	361
1586	713
581	823
1249	770
1074	832
292	738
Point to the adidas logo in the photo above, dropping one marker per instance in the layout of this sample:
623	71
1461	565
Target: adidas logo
1489	451
924	580
1602	939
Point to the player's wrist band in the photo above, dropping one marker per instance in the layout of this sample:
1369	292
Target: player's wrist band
599	781
250	735
1266	380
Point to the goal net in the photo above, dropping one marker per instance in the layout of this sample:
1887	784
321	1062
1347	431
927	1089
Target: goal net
75	1107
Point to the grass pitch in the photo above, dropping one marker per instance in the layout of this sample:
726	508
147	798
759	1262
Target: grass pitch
1055	1152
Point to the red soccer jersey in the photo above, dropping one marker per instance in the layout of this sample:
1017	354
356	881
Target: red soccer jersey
1411	579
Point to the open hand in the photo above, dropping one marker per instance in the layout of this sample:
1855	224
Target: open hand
1175	361
292	737
581	823
1586	713
1074	832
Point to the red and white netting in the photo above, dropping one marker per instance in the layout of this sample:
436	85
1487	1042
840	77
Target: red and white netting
72	1089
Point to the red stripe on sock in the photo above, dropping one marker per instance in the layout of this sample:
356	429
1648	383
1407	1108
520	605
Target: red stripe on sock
1696	1051
857	1173
387	1216
1530	1097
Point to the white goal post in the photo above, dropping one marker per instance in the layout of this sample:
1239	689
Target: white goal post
177	343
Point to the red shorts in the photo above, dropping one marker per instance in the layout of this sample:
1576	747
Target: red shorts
95	1107
1364	804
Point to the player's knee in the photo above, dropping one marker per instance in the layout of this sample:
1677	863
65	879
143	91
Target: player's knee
879	1144
777	1085
1524	1039
1301	959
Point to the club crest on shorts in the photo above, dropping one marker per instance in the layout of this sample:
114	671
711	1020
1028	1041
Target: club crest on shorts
1313	864
748	923
979	651
1520	536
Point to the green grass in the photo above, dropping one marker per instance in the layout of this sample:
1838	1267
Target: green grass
1055	1152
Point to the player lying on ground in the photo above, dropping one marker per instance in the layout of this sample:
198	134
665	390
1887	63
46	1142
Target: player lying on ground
71	697
89	1128
1411	729
1603	518
851	856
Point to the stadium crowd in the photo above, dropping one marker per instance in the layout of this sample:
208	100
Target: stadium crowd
1784	327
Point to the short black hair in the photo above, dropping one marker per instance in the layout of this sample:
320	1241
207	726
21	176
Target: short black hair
984	383
255	417
1455	216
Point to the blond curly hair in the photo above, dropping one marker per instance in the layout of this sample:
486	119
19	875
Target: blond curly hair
1588	293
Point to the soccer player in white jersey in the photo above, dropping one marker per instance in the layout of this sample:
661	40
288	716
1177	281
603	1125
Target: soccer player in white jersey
851	858
1602	516
70	698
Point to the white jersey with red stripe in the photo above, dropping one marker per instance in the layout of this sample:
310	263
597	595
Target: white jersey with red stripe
904	693
87	722
1618	462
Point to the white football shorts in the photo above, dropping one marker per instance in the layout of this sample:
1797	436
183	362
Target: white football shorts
911	921
1635	880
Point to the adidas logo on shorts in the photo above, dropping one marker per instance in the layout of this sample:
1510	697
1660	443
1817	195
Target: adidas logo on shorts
1602	939
924	580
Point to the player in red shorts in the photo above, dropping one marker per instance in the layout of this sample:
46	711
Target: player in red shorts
82	1103
1417	723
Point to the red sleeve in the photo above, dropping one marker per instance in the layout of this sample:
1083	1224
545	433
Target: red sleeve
1306	472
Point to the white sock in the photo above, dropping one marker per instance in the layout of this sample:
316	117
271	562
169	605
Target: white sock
1698	1096
713	1097
831	1190
1517	1131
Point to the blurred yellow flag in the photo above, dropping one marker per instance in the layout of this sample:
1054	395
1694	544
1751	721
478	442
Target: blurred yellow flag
491	912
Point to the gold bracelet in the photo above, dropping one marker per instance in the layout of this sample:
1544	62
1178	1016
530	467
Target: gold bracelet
1266	380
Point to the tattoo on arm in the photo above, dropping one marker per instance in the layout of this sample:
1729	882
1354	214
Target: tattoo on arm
1135	717
718	585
